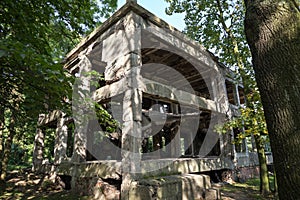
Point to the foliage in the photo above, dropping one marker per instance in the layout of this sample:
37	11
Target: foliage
34	38
106	120
218	25
252	120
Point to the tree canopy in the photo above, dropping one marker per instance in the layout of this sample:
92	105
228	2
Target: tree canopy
219	26
34	38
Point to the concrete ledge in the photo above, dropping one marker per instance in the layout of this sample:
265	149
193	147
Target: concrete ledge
159	167
102	169
184	165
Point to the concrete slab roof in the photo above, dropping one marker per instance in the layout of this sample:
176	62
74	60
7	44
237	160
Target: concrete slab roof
118	15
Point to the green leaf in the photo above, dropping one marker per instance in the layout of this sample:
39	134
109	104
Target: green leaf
2	53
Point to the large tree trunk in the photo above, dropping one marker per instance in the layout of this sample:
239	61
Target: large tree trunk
273	34
263	169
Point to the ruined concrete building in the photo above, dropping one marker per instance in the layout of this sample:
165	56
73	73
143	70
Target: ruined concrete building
159	96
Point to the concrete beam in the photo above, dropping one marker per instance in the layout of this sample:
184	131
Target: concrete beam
49	118
109	91
173	94
160	90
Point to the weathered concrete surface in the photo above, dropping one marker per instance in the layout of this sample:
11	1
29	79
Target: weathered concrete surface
104	190
61	136
173	94
185	187
112	168
181	187
247	159
118	45
48	118
38	150
43	120
212	194
184	165
102	169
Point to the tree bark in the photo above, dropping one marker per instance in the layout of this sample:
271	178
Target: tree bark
273	33
263	169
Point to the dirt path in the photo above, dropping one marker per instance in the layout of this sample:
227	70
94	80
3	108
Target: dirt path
239	194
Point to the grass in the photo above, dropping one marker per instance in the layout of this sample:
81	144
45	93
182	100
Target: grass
248	190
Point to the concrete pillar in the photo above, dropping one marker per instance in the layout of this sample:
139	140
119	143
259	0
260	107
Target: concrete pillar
132	122
212	85
234	153
176	144
83	109
188	138
61	137
238	103
218	118
38	149
131	139
79	151
123	54
236	95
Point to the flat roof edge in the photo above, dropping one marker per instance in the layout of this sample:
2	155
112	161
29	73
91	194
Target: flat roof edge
130	6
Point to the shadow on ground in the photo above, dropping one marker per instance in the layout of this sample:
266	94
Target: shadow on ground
24	184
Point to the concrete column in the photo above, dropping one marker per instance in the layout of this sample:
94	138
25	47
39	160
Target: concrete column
176	143
131	139
236	95
222	145
234	153
61	137
188	140
132	121
212	85
123	55
83	109
38	149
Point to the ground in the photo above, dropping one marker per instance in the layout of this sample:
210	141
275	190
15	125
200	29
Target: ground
26	185
246	191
